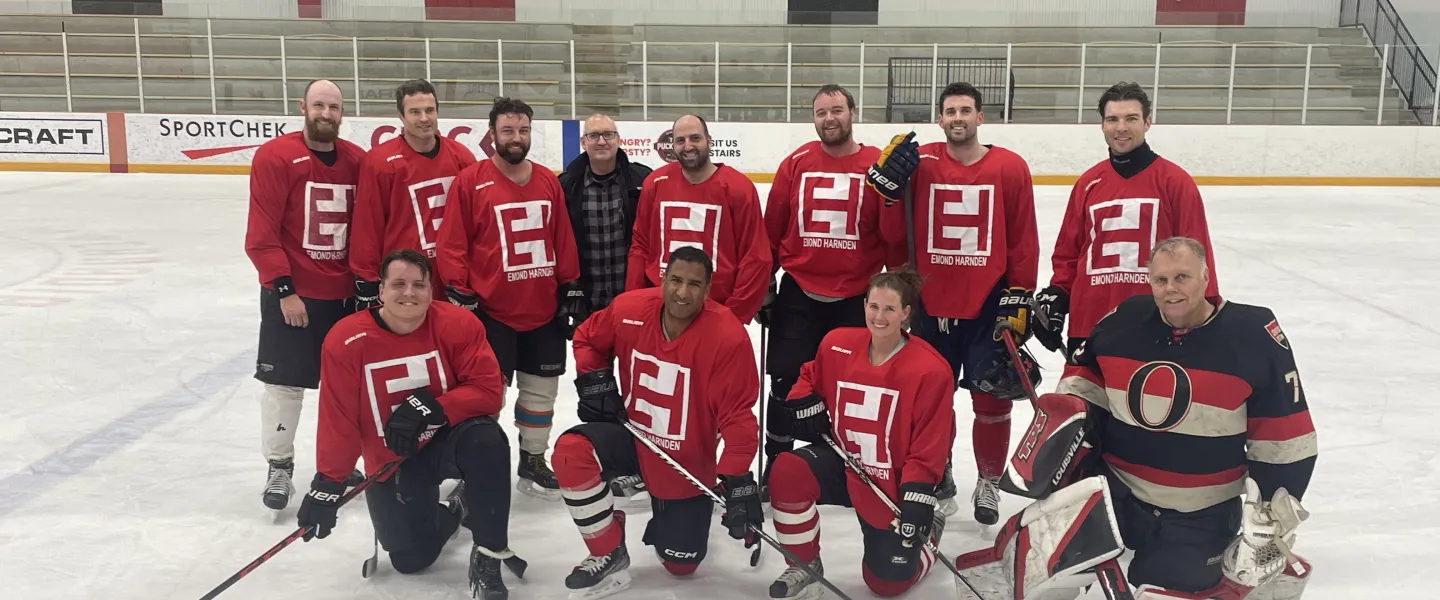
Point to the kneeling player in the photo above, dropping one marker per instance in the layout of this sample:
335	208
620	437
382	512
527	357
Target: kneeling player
415	380
687	380
1188	406
889	394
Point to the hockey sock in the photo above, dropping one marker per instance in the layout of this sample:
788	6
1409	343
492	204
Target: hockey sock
680	569
534	410
793	494
587	496
279	416
990	433
886	588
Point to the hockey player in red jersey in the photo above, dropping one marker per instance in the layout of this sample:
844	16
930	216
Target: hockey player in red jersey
883	397
973	240
401	196
826	237
678	366
302	193
415	380
507	253
1182	406
1118	210
696	202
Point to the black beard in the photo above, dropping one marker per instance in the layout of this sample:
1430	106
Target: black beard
513	155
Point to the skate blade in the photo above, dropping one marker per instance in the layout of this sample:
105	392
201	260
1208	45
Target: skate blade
614	584
530	488
949	507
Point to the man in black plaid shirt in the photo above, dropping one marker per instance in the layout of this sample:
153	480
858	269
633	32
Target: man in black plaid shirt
602	190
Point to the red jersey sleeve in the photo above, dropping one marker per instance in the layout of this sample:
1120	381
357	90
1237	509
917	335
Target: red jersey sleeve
1022	258
737	387
932	419
1190	220
476	369
778	216
338	435
594	341
1071	239
367	224
567	257
752	274
638	260
268	196
463	156
452	250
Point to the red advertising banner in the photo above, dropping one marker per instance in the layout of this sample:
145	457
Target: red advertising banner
470	10
1199	12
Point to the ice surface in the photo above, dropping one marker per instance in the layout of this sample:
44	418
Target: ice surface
131	465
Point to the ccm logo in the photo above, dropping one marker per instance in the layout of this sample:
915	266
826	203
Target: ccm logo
672	553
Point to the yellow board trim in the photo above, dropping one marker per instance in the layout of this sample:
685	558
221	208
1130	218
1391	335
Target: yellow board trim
1059	180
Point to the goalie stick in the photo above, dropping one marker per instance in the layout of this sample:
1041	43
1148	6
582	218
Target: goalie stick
721	501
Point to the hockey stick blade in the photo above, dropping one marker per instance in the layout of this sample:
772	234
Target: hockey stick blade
516	565
804	566
939	556
295	535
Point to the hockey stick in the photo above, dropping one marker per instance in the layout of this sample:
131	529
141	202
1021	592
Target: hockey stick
297	534
721	501
1008	336
855	466
760	455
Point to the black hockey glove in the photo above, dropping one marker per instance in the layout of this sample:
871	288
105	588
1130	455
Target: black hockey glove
572	308
1052	304
600	400
409	423
917	513
1014	314
890	175
763	317
742	507
319	507
467	301
809	419
367	294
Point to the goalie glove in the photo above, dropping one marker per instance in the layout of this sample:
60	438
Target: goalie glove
1261	551
890	175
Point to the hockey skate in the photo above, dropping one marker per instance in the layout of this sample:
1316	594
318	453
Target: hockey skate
535	477
601	576
485	580
986	500
945	493
796	584
278	486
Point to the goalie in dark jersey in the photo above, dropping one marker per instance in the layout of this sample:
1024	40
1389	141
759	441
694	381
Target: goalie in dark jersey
1190	417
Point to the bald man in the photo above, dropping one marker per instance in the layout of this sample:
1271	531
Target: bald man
602	190
708	205
302	192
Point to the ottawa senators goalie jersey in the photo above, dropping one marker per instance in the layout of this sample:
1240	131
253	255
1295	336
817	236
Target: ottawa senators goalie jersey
1189	414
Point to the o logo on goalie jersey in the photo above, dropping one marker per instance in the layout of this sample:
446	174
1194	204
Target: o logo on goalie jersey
388	382
866	416
1122	232
524	229
659	402
961	223
427	198
327	219
830	205
688	224
1159	384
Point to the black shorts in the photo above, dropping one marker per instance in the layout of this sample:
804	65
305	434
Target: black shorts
797	324
406	512
290	356
969	345
1175	550
679	530
539	352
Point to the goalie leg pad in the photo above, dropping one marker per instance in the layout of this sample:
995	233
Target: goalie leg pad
1052	449
1049	550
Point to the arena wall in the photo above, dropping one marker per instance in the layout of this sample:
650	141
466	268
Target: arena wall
1057	154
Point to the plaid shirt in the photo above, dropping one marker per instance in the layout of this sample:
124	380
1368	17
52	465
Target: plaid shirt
604	221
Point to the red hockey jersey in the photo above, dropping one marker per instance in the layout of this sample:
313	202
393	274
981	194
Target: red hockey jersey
299	222
366	371
401	201
896	419
721	216
1102	253
511	245
822	228
973	226
686	394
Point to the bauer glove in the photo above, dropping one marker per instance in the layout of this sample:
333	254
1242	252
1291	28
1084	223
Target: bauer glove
600	400
367	294
318	509
412	423
573	308
1052	305
1014	313
742	507
890	175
